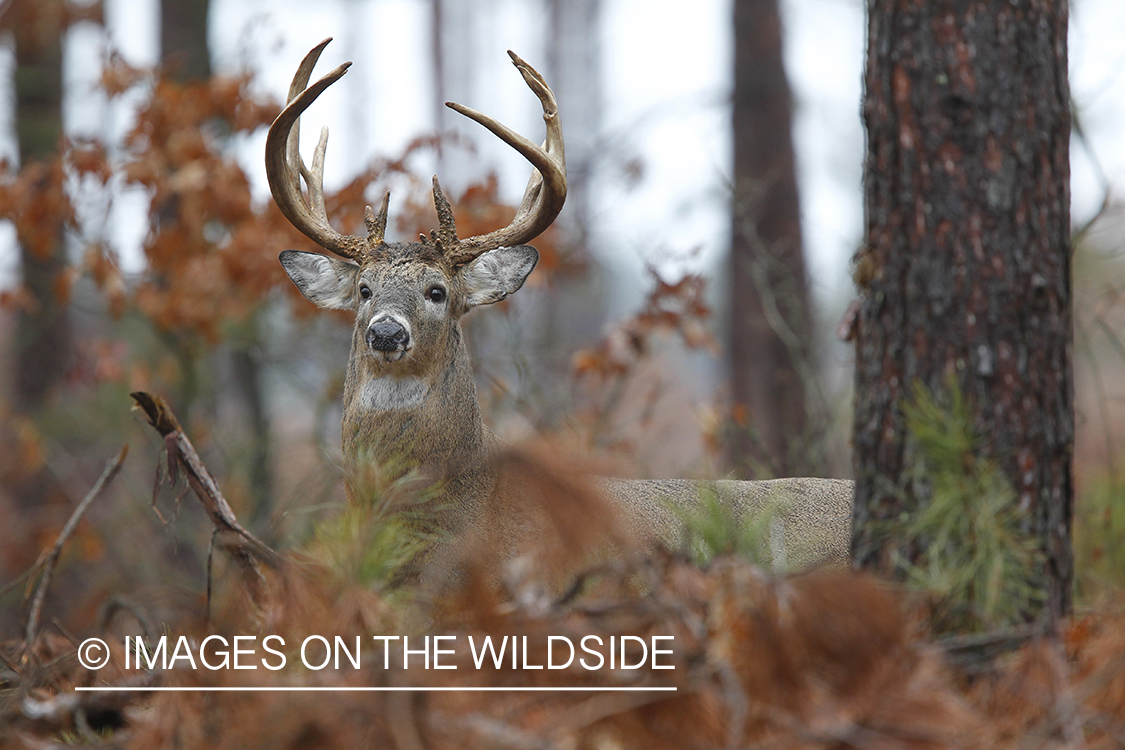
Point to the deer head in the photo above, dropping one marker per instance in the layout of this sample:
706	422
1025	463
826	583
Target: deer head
408	297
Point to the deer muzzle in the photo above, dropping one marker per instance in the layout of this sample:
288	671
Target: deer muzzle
388	335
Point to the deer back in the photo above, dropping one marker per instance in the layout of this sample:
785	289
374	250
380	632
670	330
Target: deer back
805	522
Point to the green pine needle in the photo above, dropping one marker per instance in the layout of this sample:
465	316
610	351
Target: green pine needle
977	557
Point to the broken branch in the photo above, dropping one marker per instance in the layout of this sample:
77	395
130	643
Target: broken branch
236	540
111	468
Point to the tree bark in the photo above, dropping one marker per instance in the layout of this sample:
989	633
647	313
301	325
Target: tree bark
965	267
769	306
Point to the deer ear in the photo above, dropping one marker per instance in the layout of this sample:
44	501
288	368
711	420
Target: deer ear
498	273
326	282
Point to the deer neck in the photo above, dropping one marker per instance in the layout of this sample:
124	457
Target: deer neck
428	418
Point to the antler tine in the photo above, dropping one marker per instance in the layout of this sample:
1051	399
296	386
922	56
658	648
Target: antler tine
546	189
376	225
446	234
285	168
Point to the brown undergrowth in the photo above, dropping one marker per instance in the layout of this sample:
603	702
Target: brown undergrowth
817	660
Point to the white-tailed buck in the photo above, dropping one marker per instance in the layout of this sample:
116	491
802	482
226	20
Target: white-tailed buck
409	394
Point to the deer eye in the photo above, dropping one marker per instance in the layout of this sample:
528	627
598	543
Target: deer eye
364	291
436	294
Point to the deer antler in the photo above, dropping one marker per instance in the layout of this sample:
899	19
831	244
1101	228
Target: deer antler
285	168
546	190
542	200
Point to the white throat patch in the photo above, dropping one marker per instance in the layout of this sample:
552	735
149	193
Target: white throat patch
389	393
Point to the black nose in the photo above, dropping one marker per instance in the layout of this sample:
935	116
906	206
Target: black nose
387	335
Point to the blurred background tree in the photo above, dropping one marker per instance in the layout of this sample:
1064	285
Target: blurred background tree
44	330
38	352
770	333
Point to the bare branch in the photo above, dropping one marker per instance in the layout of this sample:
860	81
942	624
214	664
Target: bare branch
237	541
111	468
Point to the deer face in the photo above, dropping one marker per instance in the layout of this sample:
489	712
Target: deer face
409	297
406	298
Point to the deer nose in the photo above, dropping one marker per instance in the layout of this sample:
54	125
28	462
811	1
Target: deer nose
387	335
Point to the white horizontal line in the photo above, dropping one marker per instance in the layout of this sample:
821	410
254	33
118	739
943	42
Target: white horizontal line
362	689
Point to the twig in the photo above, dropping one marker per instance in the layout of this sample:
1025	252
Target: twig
210	560
7	663
112	605
237	541
1078	129
974	654
111	468
65	633
1086	346
22	577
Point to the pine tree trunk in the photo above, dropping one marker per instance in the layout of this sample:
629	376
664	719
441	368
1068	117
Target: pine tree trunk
966	263
769	307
